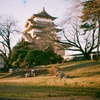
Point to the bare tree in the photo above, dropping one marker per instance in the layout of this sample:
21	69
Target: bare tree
8	26
52	38
72	34
83	42
91	13
47	38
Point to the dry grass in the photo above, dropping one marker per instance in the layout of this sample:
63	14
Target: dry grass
83	75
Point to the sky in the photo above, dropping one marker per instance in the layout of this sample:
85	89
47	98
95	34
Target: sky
21	10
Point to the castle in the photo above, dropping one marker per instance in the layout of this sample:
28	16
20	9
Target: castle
34	27
36	23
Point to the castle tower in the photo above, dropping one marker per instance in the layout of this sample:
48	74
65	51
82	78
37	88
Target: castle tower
35	24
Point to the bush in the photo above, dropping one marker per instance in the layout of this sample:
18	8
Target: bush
53	70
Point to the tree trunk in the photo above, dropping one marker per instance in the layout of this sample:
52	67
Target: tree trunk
97	55
87	56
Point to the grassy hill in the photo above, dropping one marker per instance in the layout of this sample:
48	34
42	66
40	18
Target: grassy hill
84	80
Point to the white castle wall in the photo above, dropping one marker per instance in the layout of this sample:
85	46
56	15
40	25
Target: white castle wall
42	19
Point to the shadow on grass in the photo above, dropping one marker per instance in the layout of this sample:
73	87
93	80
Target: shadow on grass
82	65
16	90
7	75
79	66
20	75
64	69
91	73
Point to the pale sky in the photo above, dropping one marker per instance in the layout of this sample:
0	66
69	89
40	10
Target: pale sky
23	9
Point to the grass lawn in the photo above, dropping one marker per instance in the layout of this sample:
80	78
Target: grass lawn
84	80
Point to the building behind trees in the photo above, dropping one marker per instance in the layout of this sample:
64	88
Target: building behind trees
40	32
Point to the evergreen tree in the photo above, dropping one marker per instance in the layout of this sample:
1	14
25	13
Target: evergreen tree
19	51
91	18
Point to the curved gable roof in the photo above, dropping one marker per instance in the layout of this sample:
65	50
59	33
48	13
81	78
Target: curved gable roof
44	14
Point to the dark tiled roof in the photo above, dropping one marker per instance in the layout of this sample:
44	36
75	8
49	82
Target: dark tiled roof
32	21
58	30
38	27
44	14
39	23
